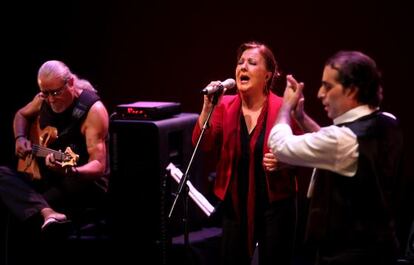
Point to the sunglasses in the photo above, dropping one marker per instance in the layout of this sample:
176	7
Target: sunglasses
54	92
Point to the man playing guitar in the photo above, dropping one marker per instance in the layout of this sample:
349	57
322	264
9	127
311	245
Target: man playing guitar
61	140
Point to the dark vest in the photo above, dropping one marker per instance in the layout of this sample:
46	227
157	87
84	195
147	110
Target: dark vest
68	125
352	212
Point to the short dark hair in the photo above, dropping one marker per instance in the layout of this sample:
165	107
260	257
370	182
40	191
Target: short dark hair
266	52
359	70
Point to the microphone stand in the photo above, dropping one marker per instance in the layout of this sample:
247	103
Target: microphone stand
183	188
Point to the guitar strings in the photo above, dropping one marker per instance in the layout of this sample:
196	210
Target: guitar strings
44	151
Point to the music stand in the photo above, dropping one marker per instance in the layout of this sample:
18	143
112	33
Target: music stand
183	188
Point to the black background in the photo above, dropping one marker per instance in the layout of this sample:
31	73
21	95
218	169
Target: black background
170	50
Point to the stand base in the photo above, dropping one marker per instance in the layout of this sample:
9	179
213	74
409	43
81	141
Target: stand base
204	248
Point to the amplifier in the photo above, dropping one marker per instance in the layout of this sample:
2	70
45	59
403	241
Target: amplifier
147	110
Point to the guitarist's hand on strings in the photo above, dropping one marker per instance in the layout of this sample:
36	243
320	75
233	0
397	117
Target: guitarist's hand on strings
23	147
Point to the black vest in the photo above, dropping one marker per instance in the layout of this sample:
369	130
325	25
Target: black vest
352	212
68	125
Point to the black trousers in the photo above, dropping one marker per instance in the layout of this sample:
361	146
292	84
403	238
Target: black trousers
18	196
25	198
275	233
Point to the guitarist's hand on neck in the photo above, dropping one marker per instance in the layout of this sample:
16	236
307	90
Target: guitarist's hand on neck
51	162
54	164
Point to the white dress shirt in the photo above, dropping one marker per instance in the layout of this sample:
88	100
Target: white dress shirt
332	148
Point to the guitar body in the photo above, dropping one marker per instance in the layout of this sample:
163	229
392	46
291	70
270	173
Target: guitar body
29	166
42	138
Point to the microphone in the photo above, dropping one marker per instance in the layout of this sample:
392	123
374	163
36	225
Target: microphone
226	84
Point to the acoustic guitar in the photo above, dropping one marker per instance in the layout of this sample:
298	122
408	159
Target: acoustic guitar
40	140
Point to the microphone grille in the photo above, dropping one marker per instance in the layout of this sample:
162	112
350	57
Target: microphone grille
229	83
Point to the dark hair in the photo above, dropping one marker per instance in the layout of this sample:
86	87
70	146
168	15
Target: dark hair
359	70
271	64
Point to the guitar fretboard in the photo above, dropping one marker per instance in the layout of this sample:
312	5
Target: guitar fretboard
42	151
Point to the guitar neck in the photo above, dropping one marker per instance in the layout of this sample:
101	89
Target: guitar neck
41	151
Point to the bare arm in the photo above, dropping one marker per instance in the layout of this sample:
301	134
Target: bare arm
21	124
95	129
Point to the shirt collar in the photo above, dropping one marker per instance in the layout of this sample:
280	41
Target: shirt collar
354	114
